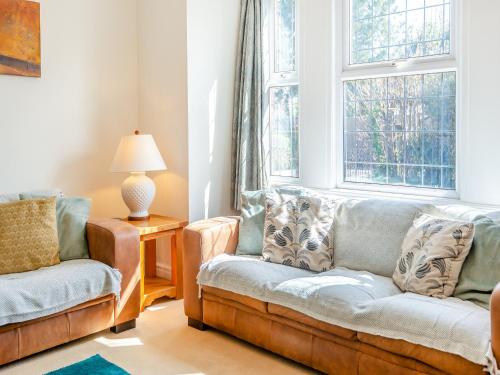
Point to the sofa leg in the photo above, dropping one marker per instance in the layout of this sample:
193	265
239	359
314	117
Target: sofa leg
123	326
197	324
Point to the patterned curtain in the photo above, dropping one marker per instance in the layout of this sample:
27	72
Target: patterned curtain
248	166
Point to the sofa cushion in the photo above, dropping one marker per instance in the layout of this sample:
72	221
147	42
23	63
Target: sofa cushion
36	194
31	295
7	198
253	303
450	363
434	251
28	235
369	233
251	223
296	316
298	231
474	284
247	275
340	289
72	216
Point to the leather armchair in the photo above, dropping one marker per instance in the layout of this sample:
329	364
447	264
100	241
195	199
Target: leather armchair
113	242
204	240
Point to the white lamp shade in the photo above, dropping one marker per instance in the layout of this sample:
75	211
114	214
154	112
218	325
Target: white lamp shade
138	153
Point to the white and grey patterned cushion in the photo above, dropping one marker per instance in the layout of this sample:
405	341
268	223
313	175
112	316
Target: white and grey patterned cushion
298	231
433	253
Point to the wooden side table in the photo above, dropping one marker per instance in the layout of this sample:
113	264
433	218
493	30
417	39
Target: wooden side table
152	286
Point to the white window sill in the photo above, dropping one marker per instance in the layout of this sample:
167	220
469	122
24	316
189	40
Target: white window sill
351	192
436	200
400	191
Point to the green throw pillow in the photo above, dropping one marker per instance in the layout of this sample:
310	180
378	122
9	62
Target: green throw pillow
481	270
72	216
251	235
9	198
41	194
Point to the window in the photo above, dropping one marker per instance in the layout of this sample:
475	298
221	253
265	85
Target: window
283	89
384	30
284	112
399	119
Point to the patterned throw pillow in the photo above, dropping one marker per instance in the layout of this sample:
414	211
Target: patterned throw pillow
28	235
433	253
298	231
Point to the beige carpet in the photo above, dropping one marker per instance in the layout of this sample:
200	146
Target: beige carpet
162	343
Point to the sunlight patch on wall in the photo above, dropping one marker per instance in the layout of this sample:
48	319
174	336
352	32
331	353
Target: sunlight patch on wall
212	116
207	199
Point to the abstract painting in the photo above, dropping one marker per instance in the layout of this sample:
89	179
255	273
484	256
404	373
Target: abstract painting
20	38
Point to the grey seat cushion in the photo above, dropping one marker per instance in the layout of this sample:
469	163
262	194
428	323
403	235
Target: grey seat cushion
345	289
247	275
369	233
30	295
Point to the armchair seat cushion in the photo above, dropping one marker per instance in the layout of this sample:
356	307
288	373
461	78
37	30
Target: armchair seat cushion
30	295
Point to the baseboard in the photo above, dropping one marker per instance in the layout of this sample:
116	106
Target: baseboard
164	270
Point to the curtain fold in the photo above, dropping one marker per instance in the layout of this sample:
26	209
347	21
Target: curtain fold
248	163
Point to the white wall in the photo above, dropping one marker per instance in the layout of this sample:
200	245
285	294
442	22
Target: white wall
212	31
315	18
61	130
480	180
163	106
163	97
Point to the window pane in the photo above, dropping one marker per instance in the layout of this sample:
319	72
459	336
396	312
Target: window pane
401	130
284	111
284	36
384	30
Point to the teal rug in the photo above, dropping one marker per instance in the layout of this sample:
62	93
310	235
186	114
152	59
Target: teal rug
95	365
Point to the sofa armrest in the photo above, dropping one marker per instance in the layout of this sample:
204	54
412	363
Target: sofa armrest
204	240
116	244
495	322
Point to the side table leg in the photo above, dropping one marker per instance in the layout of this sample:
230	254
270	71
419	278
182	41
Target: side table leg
177	244
143	271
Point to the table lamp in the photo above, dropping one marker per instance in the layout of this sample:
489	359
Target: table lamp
138	154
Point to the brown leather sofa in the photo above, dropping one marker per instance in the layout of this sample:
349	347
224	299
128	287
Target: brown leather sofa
114	243
322	346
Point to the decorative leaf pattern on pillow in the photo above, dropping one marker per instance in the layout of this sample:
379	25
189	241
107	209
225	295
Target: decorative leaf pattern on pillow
298	231
433	253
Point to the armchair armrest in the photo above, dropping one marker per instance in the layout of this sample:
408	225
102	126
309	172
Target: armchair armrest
116	244
495	322
203	240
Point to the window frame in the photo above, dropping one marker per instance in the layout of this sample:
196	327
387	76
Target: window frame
281	79
346	45
420	65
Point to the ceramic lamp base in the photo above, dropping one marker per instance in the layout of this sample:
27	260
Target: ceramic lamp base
138	192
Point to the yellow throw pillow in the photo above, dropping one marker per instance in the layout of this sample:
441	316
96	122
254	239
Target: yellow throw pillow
28	235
